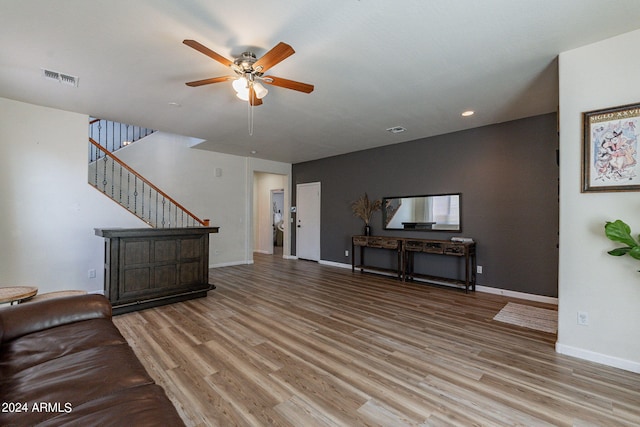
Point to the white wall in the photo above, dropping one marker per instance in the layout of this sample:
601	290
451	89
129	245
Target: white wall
48	212
593	77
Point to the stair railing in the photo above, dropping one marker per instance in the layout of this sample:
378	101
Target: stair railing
113	135
123	184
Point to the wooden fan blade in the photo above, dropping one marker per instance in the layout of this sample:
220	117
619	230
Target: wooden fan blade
288	84
209	81
279	53
211	54
253	99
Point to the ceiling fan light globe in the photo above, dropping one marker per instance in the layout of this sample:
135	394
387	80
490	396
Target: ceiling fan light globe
260	90
243	95
240	85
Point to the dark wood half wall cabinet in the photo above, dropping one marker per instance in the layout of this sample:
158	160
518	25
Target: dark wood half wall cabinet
147	267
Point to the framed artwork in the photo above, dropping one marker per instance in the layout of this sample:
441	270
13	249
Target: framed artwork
610	149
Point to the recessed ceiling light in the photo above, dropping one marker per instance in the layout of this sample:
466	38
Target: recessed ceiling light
253	151
174	104
396	129
468	113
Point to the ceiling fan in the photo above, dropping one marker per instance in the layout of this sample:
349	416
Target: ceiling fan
250	71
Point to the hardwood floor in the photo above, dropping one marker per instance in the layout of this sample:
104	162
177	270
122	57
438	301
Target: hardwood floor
294	343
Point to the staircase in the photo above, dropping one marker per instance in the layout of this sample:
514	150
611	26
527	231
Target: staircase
114	178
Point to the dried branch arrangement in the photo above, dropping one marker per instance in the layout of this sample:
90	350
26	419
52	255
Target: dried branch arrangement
364	208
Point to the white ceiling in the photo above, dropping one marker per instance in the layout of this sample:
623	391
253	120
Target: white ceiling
375	64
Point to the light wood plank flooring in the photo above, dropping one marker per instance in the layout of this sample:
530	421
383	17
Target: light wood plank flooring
294	343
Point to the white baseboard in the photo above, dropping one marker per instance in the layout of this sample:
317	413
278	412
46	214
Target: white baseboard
229	264
260	251
289	257
592	356
516	294
334	264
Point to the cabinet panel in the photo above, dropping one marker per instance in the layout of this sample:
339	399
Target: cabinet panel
165	276
136	252
165	250
190	248
134	280
190	273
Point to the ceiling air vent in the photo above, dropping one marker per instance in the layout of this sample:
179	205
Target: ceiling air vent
66	79
396	129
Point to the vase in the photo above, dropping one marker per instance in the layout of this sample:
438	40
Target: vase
367	230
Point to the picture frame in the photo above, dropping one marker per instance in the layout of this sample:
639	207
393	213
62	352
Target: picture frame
610	149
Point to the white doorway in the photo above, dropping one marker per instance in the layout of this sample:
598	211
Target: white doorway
308	221
269	191
278	218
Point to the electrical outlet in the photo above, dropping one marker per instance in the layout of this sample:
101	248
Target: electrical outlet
583	318
92	274
479	269
346	253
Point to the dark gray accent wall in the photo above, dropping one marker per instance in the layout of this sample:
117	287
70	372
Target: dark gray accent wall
507	174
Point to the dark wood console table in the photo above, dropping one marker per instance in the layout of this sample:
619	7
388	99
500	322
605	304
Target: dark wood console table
388	243
147	267
408	248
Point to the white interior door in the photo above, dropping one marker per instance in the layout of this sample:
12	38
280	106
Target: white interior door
308	221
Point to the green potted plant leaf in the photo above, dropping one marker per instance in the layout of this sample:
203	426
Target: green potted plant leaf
364	208
619	231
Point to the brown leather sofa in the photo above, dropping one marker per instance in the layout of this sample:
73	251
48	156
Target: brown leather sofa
63	362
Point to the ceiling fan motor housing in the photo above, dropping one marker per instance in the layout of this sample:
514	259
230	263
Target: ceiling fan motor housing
245	63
